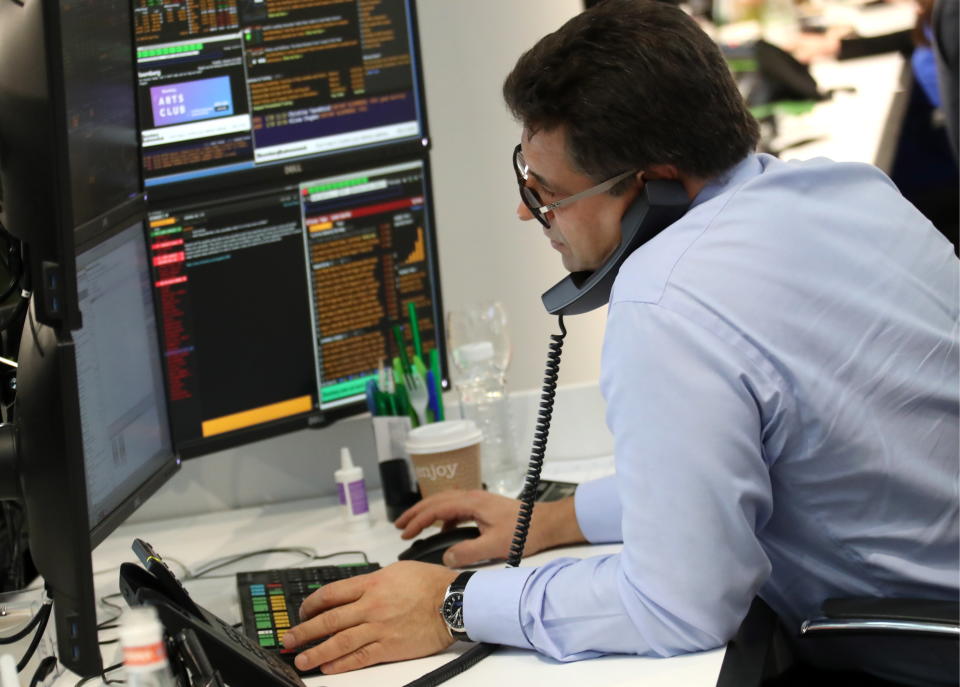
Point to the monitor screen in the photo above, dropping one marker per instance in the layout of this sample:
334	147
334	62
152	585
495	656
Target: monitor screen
369	254
103	385
242	85
123	415
276	307
101	115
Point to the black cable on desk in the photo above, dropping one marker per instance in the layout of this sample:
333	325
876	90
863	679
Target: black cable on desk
45	668
44	616
103	675
20	634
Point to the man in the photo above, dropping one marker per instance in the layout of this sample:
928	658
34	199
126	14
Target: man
780	370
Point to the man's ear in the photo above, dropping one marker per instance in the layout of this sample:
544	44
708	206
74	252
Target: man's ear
692	185
661	172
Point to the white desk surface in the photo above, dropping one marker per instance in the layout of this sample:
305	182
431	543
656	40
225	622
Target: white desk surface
315	523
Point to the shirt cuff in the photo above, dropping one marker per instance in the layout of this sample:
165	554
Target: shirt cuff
491	606
597	505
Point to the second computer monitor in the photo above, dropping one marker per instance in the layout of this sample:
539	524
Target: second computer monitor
277	305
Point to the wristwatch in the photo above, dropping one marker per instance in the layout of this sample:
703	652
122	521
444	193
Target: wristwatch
452	608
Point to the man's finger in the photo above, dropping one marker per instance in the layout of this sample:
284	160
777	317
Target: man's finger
334	594
427	503
339	645
367	655
454	511
473	551
323	624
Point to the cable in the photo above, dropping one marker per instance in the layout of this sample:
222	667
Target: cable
451	669
45	668
309	553
103	676
106	624
540	434
35	642
16	637
363	554
479	652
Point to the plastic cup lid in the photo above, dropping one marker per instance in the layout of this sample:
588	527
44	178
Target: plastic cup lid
438	437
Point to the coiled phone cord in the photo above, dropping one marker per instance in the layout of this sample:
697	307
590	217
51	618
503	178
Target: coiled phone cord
539	450
480	651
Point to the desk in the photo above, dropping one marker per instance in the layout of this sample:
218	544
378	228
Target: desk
315	523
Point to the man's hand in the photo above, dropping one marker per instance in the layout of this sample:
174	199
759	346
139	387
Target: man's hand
554	524
389	615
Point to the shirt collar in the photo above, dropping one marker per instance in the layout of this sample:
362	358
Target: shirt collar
747	168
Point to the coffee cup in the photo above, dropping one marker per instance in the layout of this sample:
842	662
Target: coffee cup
446	455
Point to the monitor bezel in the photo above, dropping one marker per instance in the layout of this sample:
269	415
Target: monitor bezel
281	172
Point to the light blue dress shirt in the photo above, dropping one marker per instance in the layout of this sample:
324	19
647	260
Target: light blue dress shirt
781	374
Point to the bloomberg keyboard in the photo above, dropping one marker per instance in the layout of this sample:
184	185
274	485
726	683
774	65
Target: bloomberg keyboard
270	600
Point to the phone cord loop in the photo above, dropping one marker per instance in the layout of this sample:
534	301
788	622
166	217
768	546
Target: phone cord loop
539	450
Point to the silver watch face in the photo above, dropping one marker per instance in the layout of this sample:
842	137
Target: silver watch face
452	611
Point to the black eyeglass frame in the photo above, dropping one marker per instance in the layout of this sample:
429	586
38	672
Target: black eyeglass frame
531	199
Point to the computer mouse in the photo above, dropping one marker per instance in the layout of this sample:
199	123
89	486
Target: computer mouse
430	549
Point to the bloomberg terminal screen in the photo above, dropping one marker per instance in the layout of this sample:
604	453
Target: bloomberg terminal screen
368	256
279	305
229	85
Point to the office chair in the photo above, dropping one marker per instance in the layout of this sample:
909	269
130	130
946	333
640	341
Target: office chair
908	641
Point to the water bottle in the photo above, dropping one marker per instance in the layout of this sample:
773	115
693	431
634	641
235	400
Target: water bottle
483	399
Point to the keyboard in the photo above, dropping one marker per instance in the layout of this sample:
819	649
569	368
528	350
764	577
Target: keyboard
270	600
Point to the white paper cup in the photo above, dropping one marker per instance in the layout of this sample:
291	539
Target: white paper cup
446	455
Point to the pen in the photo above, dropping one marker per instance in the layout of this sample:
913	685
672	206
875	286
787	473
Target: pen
437	383
371	396
432	407
398	335
414	329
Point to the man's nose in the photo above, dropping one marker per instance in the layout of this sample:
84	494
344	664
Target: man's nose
523	212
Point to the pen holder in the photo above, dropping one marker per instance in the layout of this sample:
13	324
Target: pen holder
396	472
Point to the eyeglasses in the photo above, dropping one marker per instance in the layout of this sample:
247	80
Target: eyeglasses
532	200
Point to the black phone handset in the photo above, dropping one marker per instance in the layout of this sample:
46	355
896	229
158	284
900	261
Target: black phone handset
660	204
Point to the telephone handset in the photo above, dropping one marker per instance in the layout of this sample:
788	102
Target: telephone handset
241	662
660	204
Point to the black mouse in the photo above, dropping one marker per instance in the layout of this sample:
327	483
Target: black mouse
430	549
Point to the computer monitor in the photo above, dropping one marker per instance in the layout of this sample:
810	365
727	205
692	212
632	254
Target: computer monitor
276	306
91	411
263	89
68	131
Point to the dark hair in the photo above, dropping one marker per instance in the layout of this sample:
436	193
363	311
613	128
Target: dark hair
635	83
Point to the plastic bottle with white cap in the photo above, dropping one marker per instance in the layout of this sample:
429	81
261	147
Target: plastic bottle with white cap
483	399
144	651
352	490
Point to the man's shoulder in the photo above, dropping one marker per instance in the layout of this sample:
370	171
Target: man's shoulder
768	210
